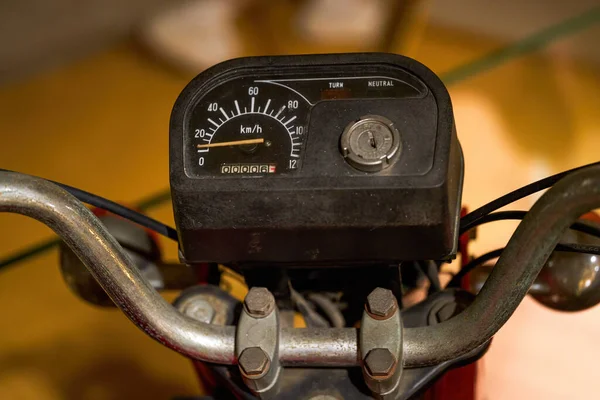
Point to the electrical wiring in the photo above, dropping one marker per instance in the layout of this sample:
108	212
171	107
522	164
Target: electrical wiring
117	209
312	318
566	247
329	308
580	226
470	220
431	271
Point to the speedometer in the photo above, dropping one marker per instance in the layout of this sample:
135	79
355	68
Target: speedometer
315	159
244	123
254	128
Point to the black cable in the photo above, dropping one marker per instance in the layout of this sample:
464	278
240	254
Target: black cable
431	271
329	308
580	226
566	247
469	220
471	265
117	209
312	318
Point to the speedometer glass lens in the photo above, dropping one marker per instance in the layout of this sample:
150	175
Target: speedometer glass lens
250	128
257	126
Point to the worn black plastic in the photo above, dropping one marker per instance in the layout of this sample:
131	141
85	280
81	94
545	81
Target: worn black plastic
328	212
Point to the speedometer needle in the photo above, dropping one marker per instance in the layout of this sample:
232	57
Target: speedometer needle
232	143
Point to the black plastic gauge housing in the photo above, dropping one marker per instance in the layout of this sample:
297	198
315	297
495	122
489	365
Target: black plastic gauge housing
317	209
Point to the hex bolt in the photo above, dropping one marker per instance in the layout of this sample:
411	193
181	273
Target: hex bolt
380	363
381	303
254	361
199	309
259	302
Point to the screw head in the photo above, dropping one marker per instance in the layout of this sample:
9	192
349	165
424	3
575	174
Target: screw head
199	309
381	303
259	302
254	361
380	362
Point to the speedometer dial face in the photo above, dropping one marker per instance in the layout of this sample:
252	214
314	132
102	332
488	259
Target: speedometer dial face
248	129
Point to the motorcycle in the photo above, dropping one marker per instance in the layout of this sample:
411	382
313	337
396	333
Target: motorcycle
331	186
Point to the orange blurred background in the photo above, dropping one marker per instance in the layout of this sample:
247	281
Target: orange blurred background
95	115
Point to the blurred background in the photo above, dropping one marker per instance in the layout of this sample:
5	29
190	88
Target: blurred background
86	89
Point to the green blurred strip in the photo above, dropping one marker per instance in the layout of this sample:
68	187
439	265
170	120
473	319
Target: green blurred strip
29	252
522	47
154	201
487	62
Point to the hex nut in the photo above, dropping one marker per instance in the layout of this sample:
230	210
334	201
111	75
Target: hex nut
254	361
259	302
380	362
381	303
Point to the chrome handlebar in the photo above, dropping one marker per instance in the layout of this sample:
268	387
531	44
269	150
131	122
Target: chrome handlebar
520	263
113	269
